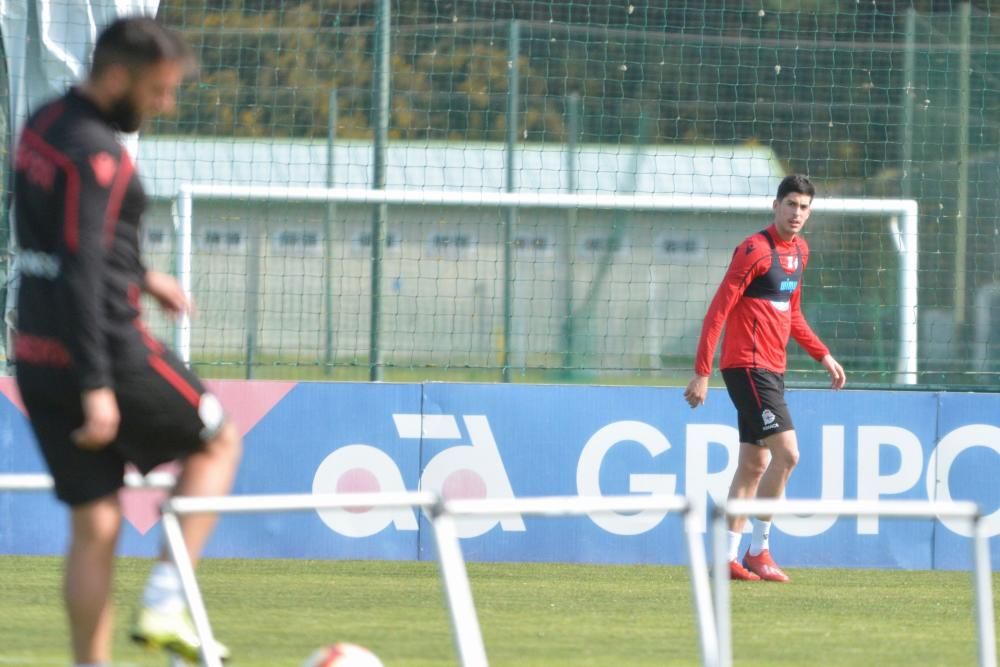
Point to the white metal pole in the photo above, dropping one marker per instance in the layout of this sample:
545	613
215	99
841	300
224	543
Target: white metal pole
182	248
913	509
701	592
908	299
25	482
982	580
458	592
564	505
43	482
547	200
178	552
720	579
293	502
982	576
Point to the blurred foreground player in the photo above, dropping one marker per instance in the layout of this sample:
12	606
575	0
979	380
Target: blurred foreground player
99	390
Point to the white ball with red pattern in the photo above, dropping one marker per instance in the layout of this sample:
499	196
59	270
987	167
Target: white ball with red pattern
343	655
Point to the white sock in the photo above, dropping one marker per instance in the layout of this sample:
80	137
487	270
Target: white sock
761	533
734	545
163	588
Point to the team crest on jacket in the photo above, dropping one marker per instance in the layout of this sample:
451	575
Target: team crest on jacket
791	262
104	167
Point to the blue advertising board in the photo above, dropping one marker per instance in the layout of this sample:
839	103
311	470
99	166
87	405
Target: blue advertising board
524	440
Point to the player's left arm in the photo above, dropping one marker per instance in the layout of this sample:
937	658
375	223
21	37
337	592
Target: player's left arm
811	343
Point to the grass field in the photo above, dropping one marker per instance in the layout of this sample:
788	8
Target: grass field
274	612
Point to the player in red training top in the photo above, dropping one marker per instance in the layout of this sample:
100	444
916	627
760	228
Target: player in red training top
758	301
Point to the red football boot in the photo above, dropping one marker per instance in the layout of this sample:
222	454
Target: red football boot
739	573
764	567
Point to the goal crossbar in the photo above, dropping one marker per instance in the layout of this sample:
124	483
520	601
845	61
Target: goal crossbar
904	211
981	571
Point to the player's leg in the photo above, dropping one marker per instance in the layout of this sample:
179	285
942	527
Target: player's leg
87	480
163	620
784	449
750	470
88	577
209	472
783	446
167	414
752	463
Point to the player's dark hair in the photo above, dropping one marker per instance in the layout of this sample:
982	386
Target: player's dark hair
136	42
795	183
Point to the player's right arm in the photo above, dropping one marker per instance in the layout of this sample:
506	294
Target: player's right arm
745	265
100	418
697	390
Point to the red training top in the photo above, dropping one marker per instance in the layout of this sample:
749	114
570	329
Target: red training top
758	301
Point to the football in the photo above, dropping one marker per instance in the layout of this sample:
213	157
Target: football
342	655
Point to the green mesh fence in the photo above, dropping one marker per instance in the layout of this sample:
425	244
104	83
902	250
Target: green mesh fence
872	100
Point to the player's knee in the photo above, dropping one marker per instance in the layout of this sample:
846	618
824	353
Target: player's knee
227	445
753	468
787	458
97	524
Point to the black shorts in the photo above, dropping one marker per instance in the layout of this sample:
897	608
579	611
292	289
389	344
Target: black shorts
166	414
759	397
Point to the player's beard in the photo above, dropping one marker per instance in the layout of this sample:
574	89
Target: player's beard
124	115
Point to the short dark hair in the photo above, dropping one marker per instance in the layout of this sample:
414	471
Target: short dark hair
138	41
795	183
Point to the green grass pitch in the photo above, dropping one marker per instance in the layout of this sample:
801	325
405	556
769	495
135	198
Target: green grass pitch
272	613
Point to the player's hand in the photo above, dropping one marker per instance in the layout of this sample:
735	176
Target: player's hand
168	293
696	391
837	376
100	419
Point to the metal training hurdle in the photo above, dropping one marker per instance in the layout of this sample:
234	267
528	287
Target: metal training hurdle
466	632
42	481
916	509
715	637
552	506
458	592
133	480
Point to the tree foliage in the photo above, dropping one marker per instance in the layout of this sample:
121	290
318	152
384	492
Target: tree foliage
820	82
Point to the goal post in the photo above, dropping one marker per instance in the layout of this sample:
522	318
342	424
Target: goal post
901	214
981	570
